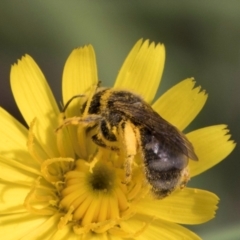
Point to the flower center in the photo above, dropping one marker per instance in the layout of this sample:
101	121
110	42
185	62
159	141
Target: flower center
86	195
95	195
102	178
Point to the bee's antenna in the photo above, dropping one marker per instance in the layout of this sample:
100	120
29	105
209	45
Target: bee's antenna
70	100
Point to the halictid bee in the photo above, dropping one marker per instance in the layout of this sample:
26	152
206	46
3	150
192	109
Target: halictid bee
125	122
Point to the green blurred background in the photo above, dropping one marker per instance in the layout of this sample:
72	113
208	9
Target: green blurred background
202	40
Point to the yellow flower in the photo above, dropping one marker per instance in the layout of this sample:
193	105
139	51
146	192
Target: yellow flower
54	185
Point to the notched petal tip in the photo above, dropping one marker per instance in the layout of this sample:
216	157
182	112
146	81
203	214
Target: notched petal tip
80	72
34	97
212	144
198	88
22	58
24	62
226	132
79	77
143	65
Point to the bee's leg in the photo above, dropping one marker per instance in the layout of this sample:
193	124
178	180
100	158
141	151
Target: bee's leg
106	136
129	146
89	121
100	140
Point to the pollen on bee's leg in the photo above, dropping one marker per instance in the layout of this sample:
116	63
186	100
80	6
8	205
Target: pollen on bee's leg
129	147
128	169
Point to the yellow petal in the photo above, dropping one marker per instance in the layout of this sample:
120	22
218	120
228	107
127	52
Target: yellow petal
142	70
16	172
157	229
181	103
13	138
79	77
65	233
187	206
80	72
15	226
43	231
35	100
110	237
169	231
211	145
12	198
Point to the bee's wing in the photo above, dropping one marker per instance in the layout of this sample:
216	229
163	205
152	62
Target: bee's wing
141	113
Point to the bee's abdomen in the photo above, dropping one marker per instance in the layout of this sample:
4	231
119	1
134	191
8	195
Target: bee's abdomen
163	166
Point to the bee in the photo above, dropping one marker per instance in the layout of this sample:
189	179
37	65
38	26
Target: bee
127	124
